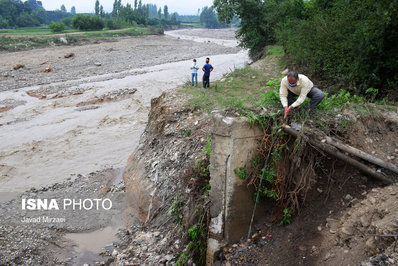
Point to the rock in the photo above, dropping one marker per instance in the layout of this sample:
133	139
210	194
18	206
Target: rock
114	253
97	64
333	231
47	69
329	256
18	66
365	220
284	72
371	244
333	225
319	228
348	197
63	40
348	230
69	55
372	200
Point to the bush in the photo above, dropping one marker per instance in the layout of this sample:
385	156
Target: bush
3	23
153	22
56	27
116	23
67	22
86	22
351	42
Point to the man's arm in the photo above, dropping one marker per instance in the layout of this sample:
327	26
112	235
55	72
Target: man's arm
283	92
211	68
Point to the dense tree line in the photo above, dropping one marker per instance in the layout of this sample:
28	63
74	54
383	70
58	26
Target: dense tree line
15	13
18	13
208	18
136	14
351	42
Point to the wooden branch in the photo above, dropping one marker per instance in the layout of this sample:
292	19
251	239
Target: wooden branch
331	151
362	154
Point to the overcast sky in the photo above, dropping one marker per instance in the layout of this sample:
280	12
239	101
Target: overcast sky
183	7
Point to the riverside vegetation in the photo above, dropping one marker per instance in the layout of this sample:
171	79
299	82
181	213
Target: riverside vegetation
343	43
284	169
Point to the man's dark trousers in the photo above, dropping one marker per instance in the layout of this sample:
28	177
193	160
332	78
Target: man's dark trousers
206	81
315	94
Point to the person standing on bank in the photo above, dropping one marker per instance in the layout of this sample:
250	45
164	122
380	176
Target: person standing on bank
295	88
194	68
207	68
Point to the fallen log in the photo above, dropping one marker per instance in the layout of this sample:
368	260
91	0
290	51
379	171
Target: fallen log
331	151
362	154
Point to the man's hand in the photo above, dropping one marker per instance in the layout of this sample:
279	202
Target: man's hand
287	110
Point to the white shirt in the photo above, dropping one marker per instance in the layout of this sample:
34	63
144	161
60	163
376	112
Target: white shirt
304	85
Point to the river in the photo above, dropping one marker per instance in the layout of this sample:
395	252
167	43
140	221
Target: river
48	141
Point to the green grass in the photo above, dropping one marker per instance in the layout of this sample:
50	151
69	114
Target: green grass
274	50
239	90
31	31
46	31
41	36
196	25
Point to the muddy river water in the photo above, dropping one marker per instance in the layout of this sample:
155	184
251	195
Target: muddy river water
44	141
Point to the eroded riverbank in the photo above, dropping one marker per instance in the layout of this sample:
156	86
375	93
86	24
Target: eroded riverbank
70	131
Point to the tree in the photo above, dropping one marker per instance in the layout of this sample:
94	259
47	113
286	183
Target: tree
33	4
63	8
67	22
73	10
3	23
97	8
114	10
160	13
153	11
166	12
208	17
101	12
174	17
253	30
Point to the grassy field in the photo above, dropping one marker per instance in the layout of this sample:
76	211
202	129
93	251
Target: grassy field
196	25
26	38
241	89
31	31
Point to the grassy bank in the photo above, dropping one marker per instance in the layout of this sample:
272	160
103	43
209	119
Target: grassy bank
240	89
27	38
254	90
31	31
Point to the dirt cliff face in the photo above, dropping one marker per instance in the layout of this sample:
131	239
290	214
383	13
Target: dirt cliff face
159	170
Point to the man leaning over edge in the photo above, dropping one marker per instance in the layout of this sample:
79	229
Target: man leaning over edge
298	86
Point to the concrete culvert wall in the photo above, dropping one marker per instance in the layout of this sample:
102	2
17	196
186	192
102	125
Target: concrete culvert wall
234	145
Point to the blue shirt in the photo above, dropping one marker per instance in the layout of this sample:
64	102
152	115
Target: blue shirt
207	68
